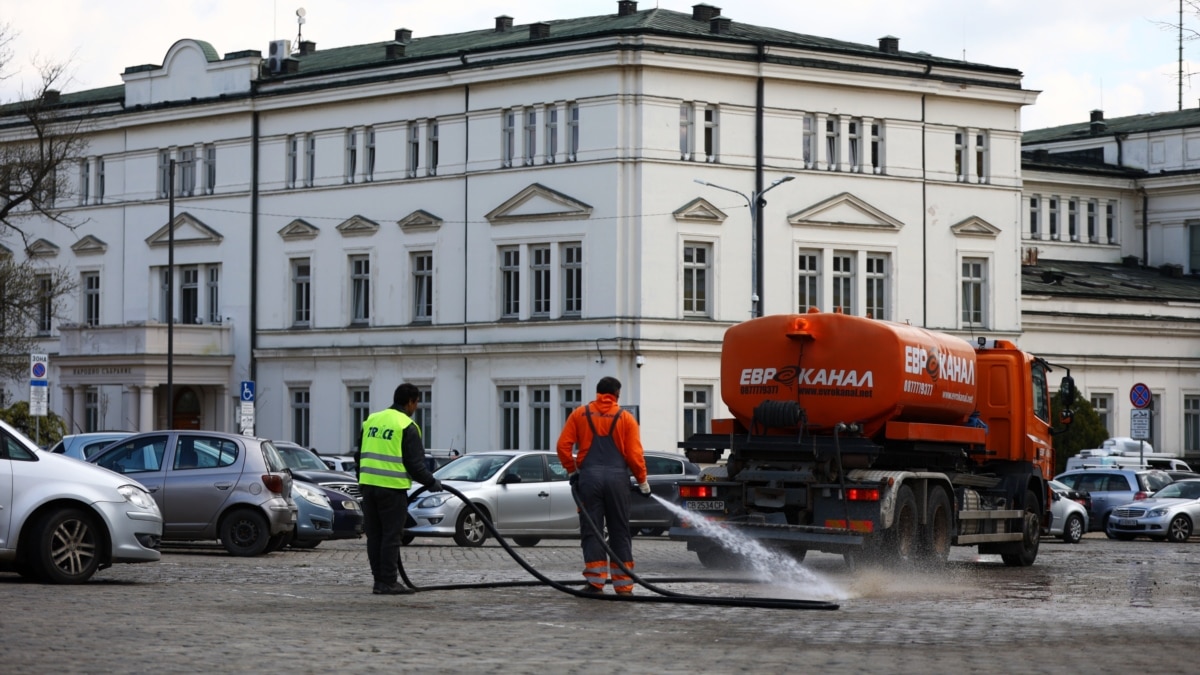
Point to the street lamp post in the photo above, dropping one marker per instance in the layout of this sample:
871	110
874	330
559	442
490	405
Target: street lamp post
754	201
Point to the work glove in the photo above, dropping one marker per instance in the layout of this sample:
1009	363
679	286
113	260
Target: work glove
435	486
573	478
645	488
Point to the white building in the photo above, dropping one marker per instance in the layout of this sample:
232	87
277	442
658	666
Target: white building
504	216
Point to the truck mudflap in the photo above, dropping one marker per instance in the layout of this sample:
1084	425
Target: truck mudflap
828	539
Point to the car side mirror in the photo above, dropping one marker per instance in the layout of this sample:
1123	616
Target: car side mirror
1055	496
510	478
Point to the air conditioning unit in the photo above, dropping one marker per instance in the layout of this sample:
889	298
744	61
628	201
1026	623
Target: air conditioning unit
279	50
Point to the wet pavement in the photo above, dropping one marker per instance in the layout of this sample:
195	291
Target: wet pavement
1097	607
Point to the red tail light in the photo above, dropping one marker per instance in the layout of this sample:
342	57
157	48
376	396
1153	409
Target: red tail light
273	482
862	494
1141	495
697	491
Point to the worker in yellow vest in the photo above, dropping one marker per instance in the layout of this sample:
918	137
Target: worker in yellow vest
390	456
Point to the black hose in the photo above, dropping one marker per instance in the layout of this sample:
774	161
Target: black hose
664	595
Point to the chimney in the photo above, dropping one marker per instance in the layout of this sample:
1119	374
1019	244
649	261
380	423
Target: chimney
1098	125
50	96
403	35
539	31
889	44
395	50
307	47
703	12
626	7
719	25
503	24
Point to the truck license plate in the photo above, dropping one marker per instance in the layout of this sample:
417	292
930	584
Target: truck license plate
707	505
1127	522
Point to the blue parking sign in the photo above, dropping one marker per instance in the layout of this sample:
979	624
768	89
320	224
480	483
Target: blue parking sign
247	390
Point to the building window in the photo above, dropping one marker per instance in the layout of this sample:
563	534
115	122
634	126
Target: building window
974	292
360	289
530	135
292	166
1053	219
91	410
310	160
510	282
100	180
508	138
414	149
1110	225
551	134
808	142
187	172
1035	217
84	182
301	416
961	161
981	157
214	294
711	138
572	131
695	279
351	154
1073	219
1191	424
697	410
301	292
1093	232
210	169
431	147
422	264
809	274
45	300
510	418
686	130
572	398
854	139
423	415
876	281
877	147
833	130
165	283
91	298
1102	404
360	410
369	169
189	295
539	412
164	173
539	273
842	276
572	279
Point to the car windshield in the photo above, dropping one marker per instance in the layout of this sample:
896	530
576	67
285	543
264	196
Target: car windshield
1153	481
1059	487
1189	489
300	459
472	468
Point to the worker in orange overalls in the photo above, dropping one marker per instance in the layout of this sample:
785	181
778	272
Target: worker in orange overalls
609	444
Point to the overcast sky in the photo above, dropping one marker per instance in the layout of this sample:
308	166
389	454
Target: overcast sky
1114	55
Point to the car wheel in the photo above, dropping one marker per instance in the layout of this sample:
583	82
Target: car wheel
1180	529
469	529
526	541
67	546
280	542
245	532
652	531
1073	529
308	544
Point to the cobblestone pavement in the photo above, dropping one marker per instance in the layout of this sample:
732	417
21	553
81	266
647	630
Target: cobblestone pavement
1096	607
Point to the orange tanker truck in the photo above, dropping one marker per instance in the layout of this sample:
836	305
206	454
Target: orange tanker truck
878	440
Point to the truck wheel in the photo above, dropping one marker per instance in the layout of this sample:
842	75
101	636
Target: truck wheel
900	540
717	558
1024	553
938	532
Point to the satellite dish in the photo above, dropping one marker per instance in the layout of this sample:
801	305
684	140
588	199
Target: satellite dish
301	13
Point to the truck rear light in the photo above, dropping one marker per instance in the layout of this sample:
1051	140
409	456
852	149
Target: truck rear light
862	494
697	491
273	482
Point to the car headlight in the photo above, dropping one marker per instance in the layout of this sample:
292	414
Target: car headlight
138	497
1156	513
434	501
311	494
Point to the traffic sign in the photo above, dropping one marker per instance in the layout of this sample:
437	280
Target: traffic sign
1139	396
247	390
1139	424
39	366
39	398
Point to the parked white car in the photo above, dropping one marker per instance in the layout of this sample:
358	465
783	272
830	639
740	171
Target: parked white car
1069	514
61	520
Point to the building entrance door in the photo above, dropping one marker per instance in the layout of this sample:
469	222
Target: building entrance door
186	410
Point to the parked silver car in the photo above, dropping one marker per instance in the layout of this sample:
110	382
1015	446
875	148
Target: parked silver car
1068	513
1170	515
84	446
211	485
1110	487
61	520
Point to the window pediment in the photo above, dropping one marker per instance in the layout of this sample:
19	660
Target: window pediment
419	220
357	226
299	229
845	211
538	202
89	245
42	248
700	210
975	227
189	231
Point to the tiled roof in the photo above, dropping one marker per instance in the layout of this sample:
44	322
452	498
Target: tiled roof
1039	160
1132	124
1069	278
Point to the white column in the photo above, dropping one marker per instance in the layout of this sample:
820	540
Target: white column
146	408
843	139
75	424
68	400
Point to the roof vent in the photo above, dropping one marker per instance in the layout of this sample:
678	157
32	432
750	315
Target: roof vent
1041	155
626	7
307	47
503	23
1130	261
719	25
889	44
704	12
403	35
395	50
51	96
1098	125
539	31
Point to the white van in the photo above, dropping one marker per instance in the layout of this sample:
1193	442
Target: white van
1150	460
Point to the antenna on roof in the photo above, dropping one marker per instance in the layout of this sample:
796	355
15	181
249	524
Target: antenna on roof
300	14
